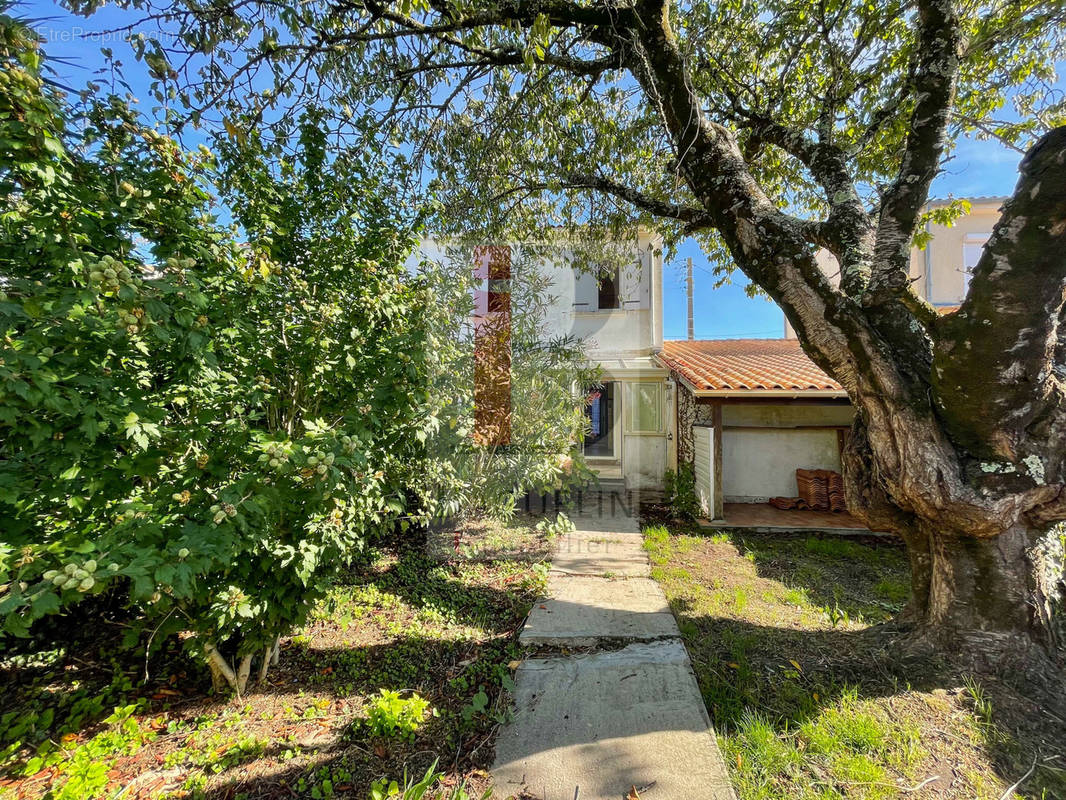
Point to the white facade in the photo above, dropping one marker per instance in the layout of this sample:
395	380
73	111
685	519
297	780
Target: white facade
619	320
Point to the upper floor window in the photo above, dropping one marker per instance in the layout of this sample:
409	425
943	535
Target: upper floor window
608	289
625	287
972	247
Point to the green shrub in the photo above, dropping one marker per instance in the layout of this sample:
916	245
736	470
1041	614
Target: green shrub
679	492
553	527
205	429
391	716
410	789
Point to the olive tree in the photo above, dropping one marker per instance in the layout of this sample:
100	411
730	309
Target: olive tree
460	474
767	129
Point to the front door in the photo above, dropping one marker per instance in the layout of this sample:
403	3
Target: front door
645	432
601	413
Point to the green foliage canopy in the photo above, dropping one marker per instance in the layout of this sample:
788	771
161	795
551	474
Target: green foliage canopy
532	113
207	427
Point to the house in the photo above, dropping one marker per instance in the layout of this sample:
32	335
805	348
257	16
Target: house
752	411
631	411
617	314
745	413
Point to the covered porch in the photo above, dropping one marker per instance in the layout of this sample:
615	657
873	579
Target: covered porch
764	518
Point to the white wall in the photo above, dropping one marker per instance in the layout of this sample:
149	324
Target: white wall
760	463
633	329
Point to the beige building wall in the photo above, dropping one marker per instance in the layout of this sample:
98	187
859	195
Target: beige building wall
941	271
760	463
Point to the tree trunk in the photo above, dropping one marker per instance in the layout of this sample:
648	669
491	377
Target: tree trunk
995	597
993	600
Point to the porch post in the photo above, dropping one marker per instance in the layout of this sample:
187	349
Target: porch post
716	422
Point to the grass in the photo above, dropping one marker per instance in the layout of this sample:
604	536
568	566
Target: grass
810	696
441	635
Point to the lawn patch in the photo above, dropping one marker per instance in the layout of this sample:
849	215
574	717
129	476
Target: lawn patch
807	692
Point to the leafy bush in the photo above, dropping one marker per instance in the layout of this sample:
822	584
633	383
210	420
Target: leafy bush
679	492
394	717
458	477
204	427
555	526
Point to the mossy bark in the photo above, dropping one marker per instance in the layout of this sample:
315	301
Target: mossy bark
991	597
999	592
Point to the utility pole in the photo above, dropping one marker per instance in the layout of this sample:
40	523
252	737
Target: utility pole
691	321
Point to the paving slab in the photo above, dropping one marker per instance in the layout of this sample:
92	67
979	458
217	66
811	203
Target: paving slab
595	726
582	611
585	552
606	521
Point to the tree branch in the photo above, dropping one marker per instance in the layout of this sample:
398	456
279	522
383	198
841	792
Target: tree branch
848	231
995	362
934	84
695	217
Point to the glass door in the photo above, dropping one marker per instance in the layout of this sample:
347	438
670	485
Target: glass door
600	411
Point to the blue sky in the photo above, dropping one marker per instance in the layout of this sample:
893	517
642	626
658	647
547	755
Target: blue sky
978	168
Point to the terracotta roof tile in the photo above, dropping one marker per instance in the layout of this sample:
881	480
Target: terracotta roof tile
745	365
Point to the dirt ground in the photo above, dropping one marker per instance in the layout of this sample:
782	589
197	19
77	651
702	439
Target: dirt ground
415	620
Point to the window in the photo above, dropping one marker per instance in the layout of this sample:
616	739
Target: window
644	407
973	246
608	296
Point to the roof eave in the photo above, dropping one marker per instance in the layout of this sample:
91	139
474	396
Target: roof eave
780	393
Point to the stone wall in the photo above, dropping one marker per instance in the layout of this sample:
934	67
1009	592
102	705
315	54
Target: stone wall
689	413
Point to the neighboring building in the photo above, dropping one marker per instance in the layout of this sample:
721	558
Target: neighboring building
940	272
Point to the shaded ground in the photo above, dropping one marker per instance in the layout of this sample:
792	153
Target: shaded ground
811	701
73	725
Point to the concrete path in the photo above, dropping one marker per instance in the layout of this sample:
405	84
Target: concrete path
627	712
